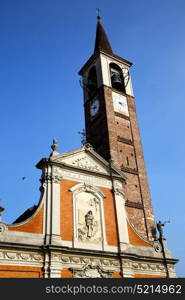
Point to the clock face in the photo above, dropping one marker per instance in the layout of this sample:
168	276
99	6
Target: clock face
120	103
94	107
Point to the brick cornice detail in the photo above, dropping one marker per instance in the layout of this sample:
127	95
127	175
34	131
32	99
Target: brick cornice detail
117	114
123	140
134	204
129	170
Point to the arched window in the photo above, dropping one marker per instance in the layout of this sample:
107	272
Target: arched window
117	79
92	82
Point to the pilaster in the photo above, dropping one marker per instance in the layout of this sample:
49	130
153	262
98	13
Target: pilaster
51	182
120	214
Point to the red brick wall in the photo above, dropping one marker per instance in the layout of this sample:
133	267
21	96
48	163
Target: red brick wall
117	275
145	192
123	128
103	133
67	213
20	272
110	218
135	239
67	210
66	273
148	276
35	225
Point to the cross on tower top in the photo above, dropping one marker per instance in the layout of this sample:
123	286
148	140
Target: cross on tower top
98	12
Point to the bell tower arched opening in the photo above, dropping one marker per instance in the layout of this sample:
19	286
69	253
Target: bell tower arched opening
117	79
92	82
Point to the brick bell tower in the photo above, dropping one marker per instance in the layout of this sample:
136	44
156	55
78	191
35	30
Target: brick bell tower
112	128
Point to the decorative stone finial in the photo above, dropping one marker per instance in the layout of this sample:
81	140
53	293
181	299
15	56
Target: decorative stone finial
54	147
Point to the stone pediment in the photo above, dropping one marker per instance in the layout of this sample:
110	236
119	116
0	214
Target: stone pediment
82	160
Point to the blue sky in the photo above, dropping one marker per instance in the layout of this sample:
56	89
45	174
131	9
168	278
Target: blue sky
44	43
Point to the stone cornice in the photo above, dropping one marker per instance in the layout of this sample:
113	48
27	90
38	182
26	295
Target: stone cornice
89	253
44	162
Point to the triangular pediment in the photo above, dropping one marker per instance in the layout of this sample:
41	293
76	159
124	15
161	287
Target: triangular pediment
85	158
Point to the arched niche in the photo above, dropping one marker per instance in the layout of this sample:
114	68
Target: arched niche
92	82
88	216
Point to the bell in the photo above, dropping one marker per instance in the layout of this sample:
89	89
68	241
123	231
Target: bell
116	79
117	82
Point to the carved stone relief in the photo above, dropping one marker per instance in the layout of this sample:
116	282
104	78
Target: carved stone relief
55	178
21	256
84	161
147	266
88	218
3	228
157	246
91	271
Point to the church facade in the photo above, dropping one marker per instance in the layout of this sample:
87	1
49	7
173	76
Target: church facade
94	217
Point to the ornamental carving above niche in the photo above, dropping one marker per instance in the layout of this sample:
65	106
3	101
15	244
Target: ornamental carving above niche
91	271
83	160
88	218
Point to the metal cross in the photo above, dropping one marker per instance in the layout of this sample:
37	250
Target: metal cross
98	12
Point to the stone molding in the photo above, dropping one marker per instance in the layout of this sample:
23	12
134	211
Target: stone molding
18	257
81	177
147	268
82	266
84	187
129	267
67	260
119	192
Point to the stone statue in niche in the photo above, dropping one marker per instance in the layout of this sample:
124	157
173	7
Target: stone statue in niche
88	218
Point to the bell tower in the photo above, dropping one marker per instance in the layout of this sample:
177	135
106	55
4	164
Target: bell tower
112	128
